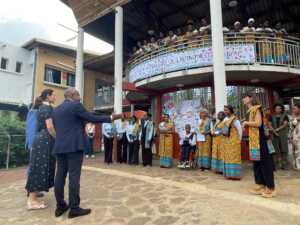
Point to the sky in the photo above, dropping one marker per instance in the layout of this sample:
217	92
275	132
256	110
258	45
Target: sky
22	20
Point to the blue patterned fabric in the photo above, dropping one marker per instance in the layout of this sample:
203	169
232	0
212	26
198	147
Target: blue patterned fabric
207	126
254	154
165	162
281	59
217	165
232	170
204	162
218	130
226	130
266	59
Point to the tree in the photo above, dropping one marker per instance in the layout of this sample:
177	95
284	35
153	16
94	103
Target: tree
15	128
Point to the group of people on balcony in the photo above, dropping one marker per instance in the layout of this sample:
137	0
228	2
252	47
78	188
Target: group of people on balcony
199	36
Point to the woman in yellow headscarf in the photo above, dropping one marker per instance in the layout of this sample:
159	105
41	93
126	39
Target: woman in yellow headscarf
259	152
166	131
217	161
204	140
232	131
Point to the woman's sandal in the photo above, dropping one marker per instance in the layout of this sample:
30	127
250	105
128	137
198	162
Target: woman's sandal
36	205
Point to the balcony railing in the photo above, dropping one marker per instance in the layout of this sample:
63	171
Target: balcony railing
240	48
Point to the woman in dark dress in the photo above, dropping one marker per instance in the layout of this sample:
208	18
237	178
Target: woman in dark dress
42	162
279	125
259	152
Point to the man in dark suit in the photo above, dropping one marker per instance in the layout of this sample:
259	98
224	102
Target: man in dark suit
69	120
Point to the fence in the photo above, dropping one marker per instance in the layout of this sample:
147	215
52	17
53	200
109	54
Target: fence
12	151
268	50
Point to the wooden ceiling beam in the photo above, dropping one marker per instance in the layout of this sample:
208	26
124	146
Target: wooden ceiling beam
177	8
152	20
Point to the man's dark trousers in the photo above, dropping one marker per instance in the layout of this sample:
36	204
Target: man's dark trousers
68	163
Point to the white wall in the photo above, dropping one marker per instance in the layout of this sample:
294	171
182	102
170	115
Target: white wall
16	88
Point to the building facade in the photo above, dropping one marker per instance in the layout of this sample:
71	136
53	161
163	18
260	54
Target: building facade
207	70
16	75
214	67
40	64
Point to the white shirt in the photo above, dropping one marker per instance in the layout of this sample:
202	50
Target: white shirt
107	130
119	128
183	137
248	29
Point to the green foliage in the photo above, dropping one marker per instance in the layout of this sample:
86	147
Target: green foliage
13	126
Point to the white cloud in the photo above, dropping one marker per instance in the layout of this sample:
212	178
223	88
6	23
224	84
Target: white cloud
48	13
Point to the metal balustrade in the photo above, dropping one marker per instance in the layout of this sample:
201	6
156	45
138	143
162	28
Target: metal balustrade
268	49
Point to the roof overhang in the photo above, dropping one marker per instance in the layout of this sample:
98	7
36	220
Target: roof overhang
97	17
89	10
36	42
92	61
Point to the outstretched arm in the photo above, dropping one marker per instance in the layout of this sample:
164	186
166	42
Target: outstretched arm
82	113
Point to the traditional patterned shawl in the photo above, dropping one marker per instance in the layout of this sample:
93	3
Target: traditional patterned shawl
218	127
204	126
149	134
227	125
254	143
136	128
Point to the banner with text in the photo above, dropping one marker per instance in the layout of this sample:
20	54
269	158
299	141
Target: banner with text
194	58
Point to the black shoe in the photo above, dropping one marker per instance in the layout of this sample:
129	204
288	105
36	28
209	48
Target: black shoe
61	211
79	212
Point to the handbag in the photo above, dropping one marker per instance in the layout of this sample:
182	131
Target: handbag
270	147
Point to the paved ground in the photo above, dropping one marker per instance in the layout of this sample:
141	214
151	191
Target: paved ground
155	196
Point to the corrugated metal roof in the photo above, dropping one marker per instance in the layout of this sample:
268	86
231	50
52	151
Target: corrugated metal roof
89	10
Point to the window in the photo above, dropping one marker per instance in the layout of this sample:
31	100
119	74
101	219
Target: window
18	67
234	98
104	93
71	79
4	63
52	75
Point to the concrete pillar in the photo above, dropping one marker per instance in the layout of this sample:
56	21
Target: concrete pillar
79	76
218	54
132	109
118	59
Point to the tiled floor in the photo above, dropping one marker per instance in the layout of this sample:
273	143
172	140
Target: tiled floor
155	196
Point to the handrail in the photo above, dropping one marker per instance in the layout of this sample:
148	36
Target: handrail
269	48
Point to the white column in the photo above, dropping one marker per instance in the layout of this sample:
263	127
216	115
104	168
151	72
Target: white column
132	109
118	59
79	76
218	54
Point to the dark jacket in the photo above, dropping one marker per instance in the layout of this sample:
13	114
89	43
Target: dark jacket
69	120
